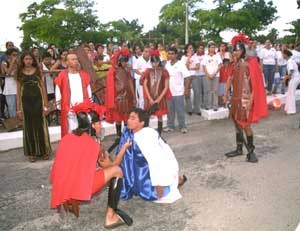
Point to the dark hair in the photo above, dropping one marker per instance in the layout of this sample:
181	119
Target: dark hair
225	44
47	55
22	65
186	47
143	115
85	121
8	42
226	60
201	44
174	49
51	44
154	59
287	52
11	50
99	45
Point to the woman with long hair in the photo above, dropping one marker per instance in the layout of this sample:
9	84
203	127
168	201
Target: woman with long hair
32	108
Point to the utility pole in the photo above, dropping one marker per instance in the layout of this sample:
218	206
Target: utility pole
186	21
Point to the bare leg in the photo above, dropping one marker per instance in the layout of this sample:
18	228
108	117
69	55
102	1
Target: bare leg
110	172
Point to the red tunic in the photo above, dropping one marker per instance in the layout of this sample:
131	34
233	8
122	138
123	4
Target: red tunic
119	96
155	85
225	73
73	173
259	108
62	81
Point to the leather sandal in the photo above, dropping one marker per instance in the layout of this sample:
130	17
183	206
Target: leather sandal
116	224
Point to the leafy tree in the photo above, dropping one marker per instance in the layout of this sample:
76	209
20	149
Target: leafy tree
248	16
172	20
295	30
58	21
123	30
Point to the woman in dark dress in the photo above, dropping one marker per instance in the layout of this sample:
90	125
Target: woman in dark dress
31	108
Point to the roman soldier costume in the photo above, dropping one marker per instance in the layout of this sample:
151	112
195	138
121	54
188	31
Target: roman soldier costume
120	97
155	86
248	101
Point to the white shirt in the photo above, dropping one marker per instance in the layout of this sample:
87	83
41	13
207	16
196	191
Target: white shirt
141	64
212	64
199	59
292	66
268	56
76	94
296	56
178	72
48	80
193	62
105	57
227	55
280	60
10	87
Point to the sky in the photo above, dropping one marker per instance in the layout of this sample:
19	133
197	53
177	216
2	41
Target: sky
146	11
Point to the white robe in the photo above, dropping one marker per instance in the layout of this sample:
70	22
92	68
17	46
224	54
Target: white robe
163	166
290	104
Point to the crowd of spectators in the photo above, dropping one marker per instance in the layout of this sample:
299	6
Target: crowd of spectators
208	65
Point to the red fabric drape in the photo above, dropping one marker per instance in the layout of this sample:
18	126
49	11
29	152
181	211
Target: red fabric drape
62	81
73	169
259	108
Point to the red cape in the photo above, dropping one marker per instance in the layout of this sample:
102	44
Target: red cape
112	115
259	108
62	81
110	95
73	169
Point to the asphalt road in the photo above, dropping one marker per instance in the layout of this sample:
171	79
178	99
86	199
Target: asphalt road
220	195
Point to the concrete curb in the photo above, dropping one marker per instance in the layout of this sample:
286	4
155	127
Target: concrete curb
11	140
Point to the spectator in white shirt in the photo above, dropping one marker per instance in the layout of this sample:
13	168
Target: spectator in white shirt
140	66
179	84
192	64
268	61
282	69
9	69
212	64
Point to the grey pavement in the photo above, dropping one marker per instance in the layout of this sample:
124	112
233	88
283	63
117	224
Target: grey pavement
220	195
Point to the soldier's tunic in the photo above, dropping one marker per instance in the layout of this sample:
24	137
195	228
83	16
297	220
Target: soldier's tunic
119	95
248	89
155	85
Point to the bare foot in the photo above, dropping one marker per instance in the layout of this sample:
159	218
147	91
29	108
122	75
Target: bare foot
111	217
181	180
159	191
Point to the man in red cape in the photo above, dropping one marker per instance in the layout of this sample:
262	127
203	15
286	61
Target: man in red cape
120	97
72	84
248	101
74	176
